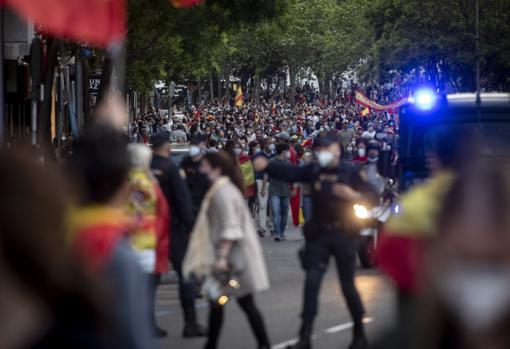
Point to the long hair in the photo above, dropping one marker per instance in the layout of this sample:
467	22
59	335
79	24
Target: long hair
227	166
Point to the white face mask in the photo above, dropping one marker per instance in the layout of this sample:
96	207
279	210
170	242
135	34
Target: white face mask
349	149
194	150
257	149
272	147
362	152
287	155
238	151
478	294
325	158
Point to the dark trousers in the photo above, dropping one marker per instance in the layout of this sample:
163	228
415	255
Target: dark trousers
247	304
187	288
154	280
317	253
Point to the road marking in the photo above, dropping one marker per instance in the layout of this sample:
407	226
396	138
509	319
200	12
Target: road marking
345	326
334	329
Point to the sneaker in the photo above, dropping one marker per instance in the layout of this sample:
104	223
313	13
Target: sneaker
261	233
276	238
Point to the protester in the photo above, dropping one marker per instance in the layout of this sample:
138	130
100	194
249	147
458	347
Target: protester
225	241
196	181
47	299
181	223
150	236
279	193
100	167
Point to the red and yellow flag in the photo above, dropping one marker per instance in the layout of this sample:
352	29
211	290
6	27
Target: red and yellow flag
365	112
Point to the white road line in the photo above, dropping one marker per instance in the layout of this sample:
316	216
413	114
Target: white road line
330	330
345	326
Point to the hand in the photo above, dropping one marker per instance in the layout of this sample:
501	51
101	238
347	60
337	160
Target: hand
345	192
221	265
260	163
263	191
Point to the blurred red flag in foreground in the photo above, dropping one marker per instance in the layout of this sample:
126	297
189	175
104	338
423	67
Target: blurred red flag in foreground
185	3
95	21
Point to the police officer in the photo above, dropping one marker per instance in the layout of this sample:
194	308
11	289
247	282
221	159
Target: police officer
181	221
331	231
197	182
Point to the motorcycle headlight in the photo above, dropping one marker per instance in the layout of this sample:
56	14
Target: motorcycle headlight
361	211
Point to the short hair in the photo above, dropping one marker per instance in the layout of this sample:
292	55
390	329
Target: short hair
281	147
140	156
100	163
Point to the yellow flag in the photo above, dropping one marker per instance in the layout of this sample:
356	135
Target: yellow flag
239	97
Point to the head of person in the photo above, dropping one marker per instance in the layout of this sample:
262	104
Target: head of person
140	156
197	146
254	148
361	146
282	150
269	146
373	151
467	266
218	164
100	165
345	124
327	150
161	143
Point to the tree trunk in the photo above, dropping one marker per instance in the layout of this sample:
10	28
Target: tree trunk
257	88
227	88
211	86
292	77
219	86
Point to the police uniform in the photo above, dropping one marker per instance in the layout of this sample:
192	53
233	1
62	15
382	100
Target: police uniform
331	231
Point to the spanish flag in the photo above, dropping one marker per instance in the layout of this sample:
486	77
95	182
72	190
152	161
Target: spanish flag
185	3
365	112
239	97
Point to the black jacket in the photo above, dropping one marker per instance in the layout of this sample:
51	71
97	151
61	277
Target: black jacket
177	195
329	212
198	184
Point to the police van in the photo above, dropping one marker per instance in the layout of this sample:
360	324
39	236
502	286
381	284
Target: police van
487	113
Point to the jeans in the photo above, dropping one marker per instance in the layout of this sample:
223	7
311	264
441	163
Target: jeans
247	304
307	208
280	207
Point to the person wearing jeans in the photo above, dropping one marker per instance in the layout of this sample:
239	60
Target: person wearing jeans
279	194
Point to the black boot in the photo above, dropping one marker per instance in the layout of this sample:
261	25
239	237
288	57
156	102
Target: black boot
191	326
305	339
159	332
359	340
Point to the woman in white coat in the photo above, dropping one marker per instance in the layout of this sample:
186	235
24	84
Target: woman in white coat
225	239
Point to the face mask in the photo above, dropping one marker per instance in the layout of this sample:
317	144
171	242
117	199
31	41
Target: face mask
362	152
238	151
325	158
272	147
257	149
287	155
194	151
373	159
220	146
349	149
478	294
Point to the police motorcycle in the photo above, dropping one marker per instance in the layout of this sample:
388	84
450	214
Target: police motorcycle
372	219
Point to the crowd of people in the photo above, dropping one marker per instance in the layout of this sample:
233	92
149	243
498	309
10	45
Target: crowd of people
81	257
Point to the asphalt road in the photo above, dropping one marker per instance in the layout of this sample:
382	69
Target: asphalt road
281	305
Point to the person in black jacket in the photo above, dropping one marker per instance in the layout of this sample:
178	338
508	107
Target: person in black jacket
181	223
197	182
331	231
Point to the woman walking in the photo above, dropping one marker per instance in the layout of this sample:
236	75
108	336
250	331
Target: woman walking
225	241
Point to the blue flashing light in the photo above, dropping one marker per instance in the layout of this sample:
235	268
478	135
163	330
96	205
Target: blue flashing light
424	99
